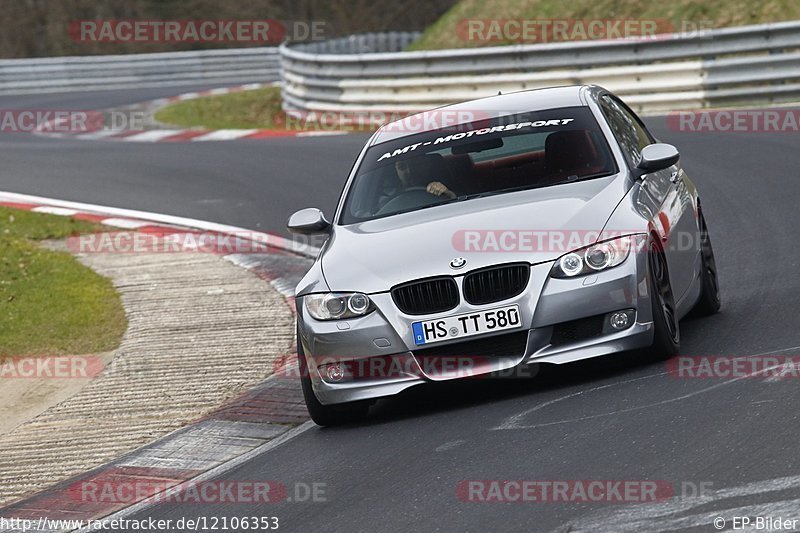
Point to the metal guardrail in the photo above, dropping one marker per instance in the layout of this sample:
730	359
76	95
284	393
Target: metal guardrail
364	43
132	71
745	64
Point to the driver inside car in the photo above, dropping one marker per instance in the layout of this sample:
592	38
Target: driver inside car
419	173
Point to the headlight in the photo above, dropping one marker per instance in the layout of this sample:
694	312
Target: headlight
593	258
337	305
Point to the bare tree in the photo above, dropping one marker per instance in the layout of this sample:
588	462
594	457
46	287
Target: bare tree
32	28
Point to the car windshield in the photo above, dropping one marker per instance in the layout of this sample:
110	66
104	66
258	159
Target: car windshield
505	154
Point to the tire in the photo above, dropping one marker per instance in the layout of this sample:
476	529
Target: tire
666	330
710	301
326	415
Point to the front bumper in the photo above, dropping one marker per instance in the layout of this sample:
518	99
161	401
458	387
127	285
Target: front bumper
385	335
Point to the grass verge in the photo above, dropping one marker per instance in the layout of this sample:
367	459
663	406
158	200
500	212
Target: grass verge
256	109
684	15
259	109
50	303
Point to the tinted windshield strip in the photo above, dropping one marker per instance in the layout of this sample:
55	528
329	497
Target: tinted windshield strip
445	139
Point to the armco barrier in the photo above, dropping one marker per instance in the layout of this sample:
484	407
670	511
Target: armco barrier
748	64
133	71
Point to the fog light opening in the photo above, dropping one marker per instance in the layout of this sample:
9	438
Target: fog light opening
334	373
619	320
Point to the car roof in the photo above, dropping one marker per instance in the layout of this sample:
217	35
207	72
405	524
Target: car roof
484	108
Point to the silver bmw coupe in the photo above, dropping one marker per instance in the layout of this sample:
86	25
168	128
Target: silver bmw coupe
542	226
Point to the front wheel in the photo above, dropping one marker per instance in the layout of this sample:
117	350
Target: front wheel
666	334
326	415
710	301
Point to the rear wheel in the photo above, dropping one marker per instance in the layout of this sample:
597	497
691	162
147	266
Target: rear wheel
326	415
710	301
666	334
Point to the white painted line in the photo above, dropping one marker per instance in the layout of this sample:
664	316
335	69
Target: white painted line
777	377
101	134
56	135
210	474
126	223
55	210
450	445
262	237
681	513
223	135
283	286
773	352
159	135
151	136
514	421
320	133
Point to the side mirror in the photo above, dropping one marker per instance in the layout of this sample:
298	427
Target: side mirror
657	157
308	222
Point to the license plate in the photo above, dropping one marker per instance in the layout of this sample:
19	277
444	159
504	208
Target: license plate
466	325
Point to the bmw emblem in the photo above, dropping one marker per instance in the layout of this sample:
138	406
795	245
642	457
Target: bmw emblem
458	262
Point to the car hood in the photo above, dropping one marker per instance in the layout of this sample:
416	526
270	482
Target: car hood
533	226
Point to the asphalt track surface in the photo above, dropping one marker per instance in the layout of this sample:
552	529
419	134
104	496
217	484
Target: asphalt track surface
254	184
615	418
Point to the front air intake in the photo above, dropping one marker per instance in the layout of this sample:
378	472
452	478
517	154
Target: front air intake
425	297
496	283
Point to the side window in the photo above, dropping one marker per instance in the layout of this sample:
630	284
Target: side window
628	130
